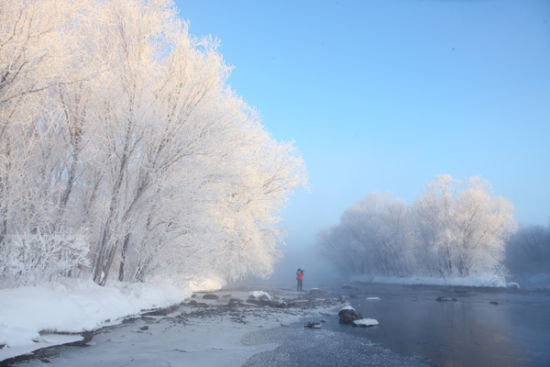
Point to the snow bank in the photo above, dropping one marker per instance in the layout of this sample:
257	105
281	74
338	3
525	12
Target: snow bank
74	307
489	280
210	284
259	295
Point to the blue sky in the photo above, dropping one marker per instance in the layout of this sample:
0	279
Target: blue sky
386	95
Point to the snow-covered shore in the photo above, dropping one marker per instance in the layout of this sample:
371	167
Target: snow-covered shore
471	281
27	314
205	329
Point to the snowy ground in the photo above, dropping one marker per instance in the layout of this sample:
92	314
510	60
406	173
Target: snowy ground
29	316
200	331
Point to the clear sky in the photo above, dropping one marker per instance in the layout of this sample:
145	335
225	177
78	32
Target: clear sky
386	95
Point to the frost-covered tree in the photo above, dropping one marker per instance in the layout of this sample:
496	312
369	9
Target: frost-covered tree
454	229
35	57
123	144
374	236
463	228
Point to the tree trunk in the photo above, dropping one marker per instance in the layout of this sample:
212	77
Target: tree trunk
123	257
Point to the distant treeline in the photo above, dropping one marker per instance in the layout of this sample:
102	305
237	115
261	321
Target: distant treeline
453	229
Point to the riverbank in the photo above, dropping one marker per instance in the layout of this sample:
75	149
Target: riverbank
36	317
207	329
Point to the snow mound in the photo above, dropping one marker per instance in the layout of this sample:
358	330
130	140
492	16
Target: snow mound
202	284
260	296
366	322
373	298
74	306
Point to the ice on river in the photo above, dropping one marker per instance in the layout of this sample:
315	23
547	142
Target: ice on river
366	322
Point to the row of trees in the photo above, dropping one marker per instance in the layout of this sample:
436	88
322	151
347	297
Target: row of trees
123	151
454	229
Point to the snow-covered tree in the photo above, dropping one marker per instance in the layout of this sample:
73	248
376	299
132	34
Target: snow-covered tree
35	53
454	229
123	143
463	228
375	237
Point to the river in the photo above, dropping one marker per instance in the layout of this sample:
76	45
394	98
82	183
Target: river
430	325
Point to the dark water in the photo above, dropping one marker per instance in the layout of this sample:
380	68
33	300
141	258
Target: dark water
482	327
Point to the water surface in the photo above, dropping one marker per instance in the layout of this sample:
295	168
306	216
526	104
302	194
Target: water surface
472	327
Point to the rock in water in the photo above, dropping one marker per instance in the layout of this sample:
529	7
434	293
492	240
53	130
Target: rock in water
348	315
313	324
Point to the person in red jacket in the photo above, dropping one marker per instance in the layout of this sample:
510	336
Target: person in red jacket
299	278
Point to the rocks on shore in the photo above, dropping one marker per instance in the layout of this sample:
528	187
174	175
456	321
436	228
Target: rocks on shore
262	298
210	296
234	302
196	304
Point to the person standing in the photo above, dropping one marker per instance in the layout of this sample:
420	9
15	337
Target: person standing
299	278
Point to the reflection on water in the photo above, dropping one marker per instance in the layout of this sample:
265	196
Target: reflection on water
481	327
